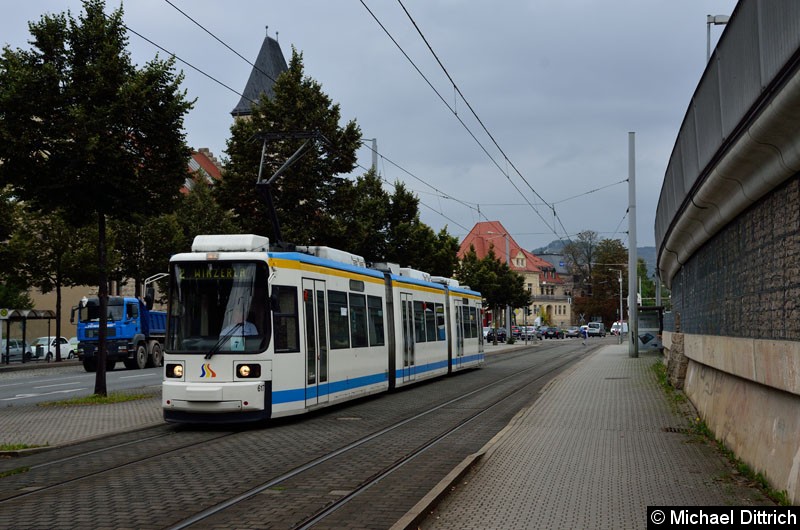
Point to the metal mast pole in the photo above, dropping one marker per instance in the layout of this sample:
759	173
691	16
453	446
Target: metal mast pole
508	307
633	317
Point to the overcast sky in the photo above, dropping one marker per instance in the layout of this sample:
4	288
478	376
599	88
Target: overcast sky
559	84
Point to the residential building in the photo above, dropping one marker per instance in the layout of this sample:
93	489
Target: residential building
549	296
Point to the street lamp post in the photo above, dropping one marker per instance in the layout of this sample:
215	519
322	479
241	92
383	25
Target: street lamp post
716	20
620	302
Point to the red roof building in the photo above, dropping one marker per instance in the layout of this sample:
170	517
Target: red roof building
548	292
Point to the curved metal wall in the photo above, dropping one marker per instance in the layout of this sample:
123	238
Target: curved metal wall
755	55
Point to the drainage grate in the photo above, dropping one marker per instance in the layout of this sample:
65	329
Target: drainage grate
680	430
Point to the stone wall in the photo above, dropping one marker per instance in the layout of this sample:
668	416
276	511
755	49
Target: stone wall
734	342
745	282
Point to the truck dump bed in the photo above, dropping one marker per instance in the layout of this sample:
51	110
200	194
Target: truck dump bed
158	322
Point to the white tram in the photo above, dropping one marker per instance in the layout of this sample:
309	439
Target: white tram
254	334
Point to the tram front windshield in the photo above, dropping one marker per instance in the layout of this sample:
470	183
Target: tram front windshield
218	307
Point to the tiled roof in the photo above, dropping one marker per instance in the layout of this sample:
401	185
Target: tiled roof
492	233
268	66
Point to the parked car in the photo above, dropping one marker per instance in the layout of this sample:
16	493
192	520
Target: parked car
45	348
16	349
530	333
552	332
596	329
516	332
573	332
501	335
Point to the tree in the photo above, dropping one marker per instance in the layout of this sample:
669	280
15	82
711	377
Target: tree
306	195
145	245
498	284
580	256
609	256
49	255
80	125
12	288
199	213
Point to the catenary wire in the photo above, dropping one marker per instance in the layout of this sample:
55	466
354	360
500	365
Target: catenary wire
461	121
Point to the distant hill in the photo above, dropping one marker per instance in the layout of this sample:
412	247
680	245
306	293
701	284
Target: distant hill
648	254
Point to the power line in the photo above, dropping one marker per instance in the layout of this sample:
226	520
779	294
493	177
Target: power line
452	110
475	114
220	40
469	106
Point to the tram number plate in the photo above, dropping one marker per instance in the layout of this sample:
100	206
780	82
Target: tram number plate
261	387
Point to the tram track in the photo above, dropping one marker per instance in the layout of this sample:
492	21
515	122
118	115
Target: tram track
87	463
289	473
297	475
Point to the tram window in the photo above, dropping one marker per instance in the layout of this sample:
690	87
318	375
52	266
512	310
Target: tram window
441	333
419	322
358	320
375	312
473	322
470	327
338	320
430	322
284	319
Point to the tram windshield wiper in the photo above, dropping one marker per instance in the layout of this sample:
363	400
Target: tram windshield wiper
216	347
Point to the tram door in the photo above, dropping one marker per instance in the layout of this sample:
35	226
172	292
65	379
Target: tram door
316	324
459	353
407	316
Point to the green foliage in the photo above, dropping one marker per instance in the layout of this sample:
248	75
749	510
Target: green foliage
144	246
305	196
497	283
94	399
84	130
601	295
313	206
79	126
17	470
199	213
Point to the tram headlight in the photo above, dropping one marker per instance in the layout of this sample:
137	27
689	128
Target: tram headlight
248	371
174	371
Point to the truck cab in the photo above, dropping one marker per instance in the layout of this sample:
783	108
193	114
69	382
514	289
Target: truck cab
134	334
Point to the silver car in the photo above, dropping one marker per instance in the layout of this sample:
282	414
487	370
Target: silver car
12	350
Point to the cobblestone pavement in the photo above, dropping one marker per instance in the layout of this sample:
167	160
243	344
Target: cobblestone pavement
600	445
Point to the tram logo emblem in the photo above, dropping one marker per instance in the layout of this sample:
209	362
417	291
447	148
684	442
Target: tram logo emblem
206	371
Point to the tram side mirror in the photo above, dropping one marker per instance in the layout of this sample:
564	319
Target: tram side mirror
274	303
149	296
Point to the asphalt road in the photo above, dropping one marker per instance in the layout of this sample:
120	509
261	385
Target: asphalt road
54	383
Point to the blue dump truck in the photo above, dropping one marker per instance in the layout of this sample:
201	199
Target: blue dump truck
134	333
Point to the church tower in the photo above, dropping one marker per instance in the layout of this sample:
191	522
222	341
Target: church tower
268	66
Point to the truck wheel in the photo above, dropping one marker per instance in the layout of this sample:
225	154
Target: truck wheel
90	366
156	358
141	356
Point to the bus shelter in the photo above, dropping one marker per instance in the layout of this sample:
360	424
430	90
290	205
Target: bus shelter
9	317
